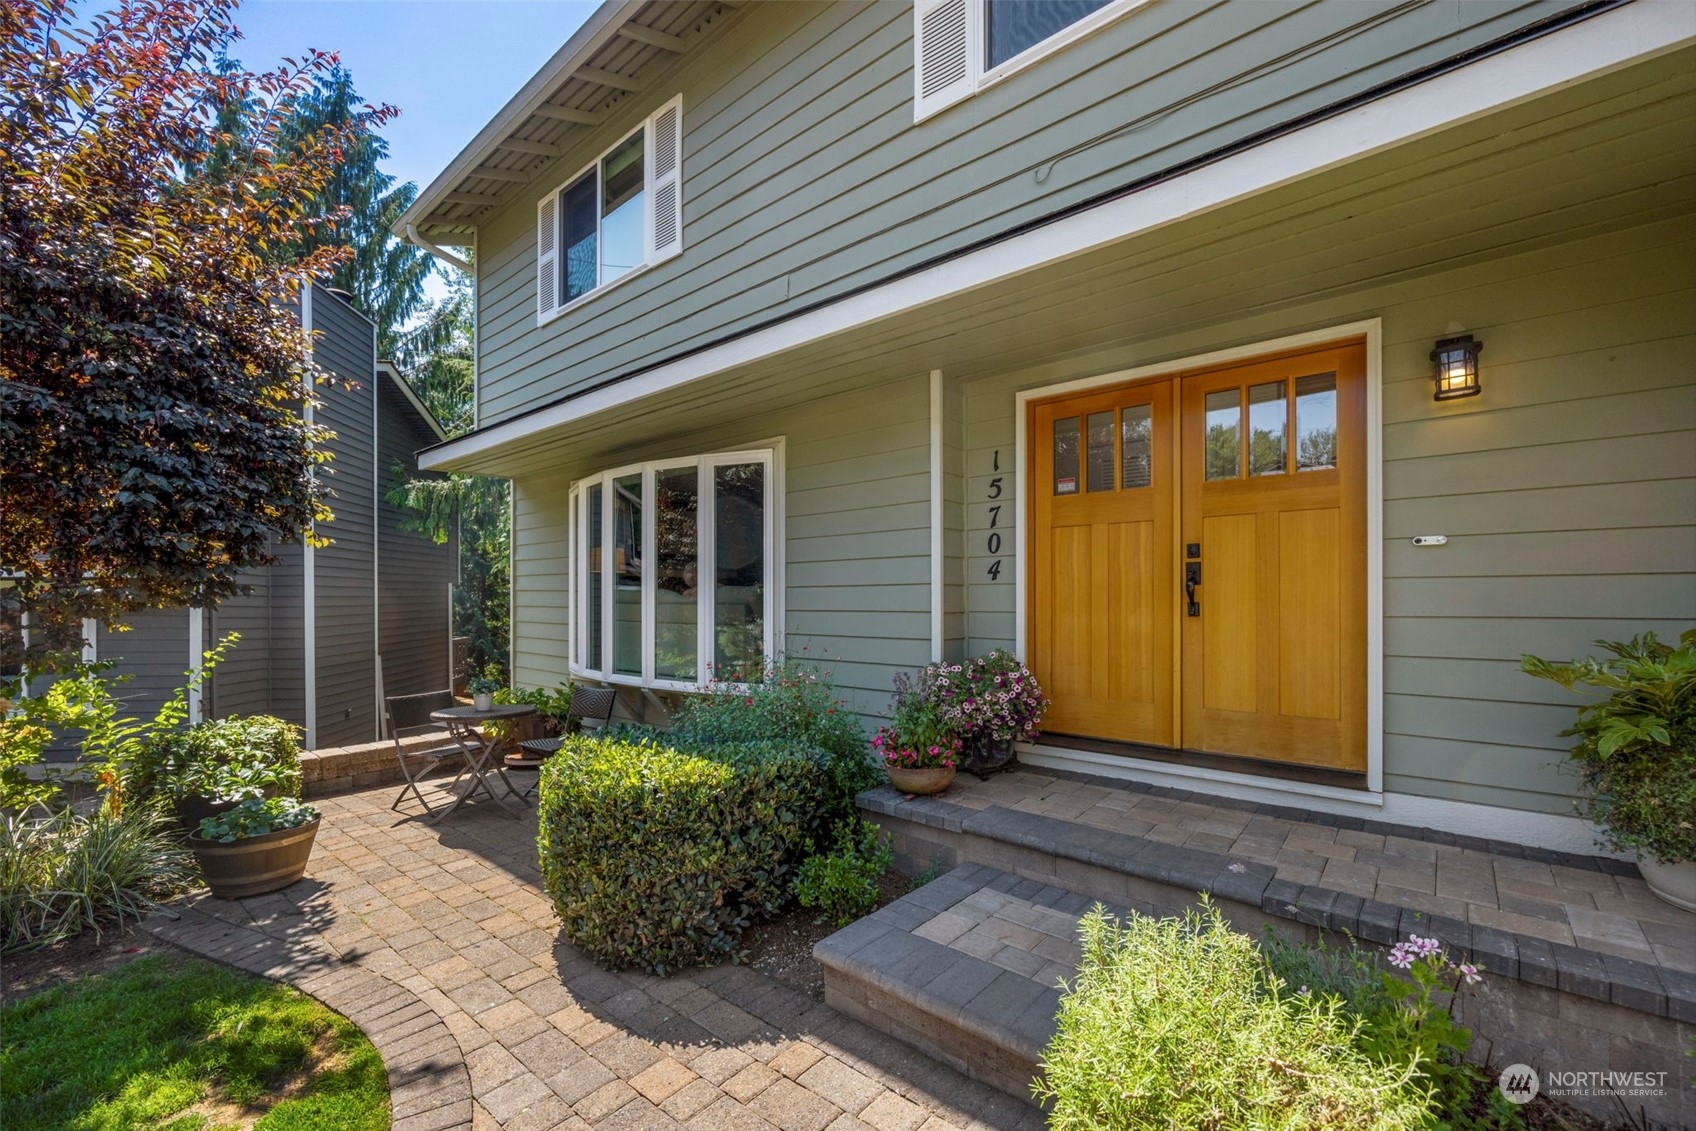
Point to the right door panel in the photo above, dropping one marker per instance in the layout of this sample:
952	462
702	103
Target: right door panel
1273	498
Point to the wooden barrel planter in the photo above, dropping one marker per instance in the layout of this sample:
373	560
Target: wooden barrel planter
255	865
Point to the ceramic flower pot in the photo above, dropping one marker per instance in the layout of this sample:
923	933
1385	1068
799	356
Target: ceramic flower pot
1675	883
929	779
255	865
483	700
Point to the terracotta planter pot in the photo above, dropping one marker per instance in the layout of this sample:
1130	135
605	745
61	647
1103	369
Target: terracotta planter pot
929	780
1675	883
255	865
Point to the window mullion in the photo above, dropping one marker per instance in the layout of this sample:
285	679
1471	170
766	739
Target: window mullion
706	570
609	575
650	567
770	635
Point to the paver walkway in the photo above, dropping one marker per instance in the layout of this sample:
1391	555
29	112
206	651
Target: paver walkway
1529	893
455	915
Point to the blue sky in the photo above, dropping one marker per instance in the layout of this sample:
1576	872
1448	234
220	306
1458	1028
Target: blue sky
447	64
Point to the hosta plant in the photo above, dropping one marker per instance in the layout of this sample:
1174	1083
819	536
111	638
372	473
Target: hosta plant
255	817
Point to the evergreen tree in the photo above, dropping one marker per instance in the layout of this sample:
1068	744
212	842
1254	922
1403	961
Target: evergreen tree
384	275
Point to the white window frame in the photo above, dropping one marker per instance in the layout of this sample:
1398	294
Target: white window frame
980	75
770	458
651	257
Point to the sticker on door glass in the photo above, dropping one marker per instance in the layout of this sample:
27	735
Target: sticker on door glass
1066	456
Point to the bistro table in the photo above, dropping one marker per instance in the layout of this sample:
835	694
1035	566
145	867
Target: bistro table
479	749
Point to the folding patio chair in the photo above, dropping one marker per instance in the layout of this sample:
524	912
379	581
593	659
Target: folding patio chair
409	715
591	707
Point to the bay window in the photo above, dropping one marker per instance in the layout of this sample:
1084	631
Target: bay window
672	570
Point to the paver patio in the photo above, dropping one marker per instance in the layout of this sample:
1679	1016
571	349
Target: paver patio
419	932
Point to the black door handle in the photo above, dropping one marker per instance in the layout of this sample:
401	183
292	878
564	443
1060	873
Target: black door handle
1192	578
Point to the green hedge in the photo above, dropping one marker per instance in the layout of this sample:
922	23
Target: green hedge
657	852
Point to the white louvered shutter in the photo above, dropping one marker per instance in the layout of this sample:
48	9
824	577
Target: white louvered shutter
547	255
945	50
665	181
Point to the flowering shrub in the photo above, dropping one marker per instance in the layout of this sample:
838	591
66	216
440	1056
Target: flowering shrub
1417	1020
901	754
994	697
1402	1018
920	734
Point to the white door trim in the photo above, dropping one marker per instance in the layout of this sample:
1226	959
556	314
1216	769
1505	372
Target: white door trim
1372	330
1596	46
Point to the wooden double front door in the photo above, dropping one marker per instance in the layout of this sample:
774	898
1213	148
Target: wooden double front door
1198	560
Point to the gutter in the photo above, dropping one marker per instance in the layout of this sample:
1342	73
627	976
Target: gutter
1516	38
446	256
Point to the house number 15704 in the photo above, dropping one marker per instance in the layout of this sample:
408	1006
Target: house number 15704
996	490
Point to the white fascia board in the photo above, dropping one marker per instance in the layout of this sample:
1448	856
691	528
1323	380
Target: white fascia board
597	30
1587	50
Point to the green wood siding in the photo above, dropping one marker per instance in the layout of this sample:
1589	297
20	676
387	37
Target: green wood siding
856	548
1568	491
805	176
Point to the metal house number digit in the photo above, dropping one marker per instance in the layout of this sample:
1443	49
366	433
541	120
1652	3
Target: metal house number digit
994	539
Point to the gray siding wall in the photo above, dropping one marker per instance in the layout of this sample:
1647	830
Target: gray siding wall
1567	489
241	683
288	634
344	572
856	548
805	176
413	572
153	652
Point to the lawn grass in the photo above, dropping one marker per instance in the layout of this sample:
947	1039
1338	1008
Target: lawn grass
182	1044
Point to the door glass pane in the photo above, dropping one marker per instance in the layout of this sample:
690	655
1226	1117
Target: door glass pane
627	574
1066	456
578	224
1101	451
1316	422
1268	417
676	572
1137	441
593	584
621	209
1223	453
739	502
1015	25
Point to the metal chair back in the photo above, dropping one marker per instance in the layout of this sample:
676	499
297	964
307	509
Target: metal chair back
410	714
592	706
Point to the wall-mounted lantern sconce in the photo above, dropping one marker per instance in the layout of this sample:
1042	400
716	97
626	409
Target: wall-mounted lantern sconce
1457	367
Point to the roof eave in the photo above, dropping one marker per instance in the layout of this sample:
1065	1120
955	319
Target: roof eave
594	34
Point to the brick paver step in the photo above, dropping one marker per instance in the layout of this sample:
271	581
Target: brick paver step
968	969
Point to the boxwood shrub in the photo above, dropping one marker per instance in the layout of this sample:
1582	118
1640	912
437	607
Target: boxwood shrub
658	851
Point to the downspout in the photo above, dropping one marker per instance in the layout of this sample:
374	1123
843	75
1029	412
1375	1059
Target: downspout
441	253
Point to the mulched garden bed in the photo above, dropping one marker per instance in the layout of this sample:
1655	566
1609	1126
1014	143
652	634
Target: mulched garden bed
782	948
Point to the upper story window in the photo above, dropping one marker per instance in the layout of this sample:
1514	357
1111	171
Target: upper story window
621	214
673	569
962	46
